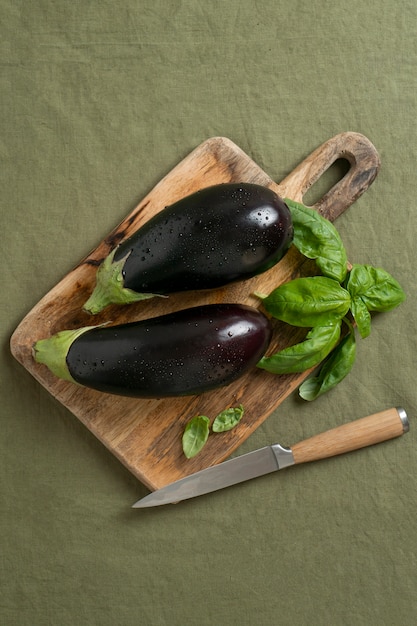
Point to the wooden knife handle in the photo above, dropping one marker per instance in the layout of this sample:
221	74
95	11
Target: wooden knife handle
364	432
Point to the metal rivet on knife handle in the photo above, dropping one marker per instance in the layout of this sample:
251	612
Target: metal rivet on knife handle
364	432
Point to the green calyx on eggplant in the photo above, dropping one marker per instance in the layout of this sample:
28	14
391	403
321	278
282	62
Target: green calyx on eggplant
183	353
221	234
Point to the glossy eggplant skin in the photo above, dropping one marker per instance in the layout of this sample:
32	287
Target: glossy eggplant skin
218	235
183	353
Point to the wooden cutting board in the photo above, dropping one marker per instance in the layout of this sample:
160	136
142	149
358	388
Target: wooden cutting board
145	435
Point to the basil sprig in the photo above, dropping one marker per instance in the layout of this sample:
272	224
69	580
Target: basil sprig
317	238
324	303
306	302
371	289
319	342
334	370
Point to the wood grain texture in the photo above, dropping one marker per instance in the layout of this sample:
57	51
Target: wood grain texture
145	435
364	432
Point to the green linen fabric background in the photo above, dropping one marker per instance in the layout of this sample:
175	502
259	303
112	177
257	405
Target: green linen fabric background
99	100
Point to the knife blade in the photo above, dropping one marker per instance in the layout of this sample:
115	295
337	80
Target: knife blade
360	433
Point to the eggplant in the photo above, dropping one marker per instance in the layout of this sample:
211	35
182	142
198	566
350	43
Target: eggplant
183	353
218	235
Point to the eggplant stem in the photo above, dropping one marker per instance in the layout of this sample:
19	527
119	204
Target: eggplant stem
53	351
110	289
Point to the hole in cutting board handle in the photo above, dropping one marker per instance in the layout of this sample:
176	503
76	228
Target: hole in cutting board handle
330	177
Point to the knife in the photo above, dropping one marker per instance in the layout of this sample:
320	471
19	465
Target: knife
363	432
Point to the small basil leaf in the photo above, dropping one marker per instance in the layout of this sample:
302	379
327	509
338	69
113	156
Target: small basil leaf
334	370
306	302
318	343
227	419
378	290
195	435
361	316
316	238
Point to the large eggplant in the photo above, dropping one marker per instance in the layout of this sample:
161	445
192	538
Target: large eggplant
177	354
218	235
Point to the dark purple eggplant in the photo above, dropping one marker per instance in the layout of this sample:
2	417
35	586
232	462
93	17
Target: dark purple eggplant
183	353
218	235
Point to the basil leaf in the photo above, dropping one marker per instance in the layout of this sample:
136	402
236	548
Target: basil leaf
227	419
378	290
318	343
316	238
361	316
306	302
334	370
195	435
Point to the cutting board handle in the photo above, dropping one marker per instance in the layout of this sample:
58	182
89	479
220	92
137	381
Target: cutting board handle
364	165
